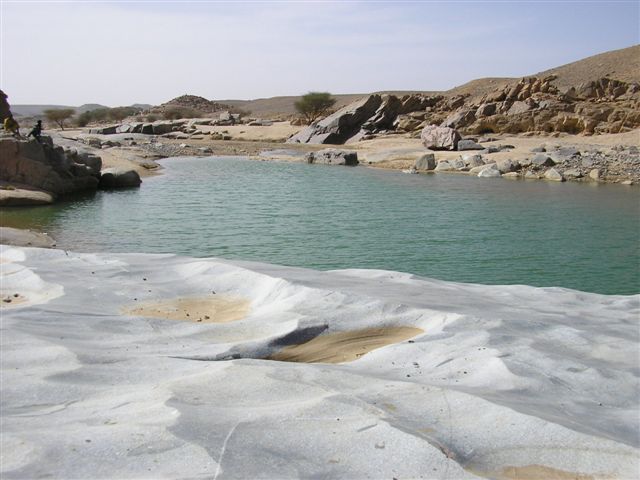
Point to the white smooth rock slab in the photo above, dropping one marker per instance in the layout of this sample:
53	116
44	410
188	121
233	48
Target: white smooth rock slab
503	376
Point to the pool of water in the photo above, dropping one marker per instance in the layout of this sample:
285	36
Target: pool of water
452	227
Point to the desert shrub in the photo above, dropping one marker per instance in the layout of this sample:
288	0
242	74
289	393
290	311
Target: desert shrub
174	113
313	105
59	115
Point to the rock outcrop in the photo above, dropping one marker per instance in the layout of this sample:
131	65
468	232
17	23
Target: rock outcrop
529	105
44	166
119	178
331	156
342	125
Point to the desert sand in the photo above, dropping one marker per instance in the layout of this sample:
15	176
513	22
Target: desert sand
211	309
344	346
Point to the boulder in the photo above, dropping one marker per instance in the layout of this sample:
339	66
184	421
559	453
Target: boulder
17	197
594	174
147	128
511	175
332	156
426	162
162	127
467	144
110	130
479	168
530	175
472	161
340	126
458	164
489	172
444	166
486	110
553	175
93	162
119	178
518	108
459	119
506	166
439	138
572	173
542	160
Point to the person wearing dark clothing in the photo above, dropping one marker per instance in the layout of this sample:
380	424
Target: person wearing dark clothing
36	131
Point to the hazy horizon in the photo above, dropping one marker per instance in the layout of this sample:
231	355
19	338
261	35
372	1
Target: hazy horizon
120	53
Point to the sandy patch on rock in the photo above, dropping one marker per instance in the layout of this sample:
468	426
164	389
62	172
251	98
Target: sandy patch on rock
214	309
537	472
12	300
344	346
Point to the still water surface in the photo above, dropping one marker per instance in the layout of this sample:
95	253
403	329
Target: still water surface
452	227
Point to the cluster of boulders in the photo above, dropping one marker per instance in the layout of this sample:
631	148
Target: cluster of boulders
529	105
46	166
182	129
54	169
554	163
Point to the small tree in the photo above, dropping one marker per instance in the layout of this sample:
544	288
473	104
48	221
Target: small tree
59	115
314	104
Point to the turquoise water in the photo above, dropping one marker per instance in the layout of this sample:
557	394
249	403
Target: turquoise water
452	227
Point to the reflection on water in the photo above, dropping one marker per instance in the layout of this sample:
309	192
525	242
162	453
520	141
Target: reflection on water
452	227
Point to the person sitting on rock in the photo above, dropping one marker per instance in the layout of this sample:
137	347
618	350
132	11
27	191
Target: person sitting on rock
36	131
11	126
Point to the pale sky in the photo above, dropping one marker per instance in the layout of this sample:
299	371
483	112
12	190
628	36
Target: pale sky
124	52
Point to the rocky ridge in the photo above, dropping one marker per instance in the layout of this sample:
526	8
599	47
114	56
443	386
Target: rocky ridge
531	106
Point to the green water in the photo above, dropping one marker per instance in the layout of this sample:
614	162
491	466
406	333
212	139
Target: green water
451	227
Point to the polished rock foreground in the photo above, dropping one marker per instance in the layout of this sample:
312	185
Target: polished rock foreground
105	376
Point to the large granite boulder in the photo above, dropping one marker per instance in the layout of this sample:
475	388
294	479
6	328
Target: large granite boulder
332	156
44	166
119	178
339	127
439	138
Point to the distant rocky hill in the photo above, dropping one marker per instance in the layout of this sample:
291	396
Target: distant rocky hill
192	103
38	110
621	64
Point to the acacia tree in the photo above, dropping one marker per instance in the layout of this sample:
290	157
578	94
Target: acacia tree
59	115
314	104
